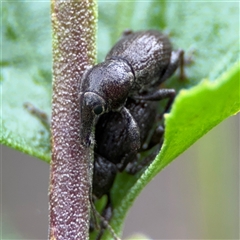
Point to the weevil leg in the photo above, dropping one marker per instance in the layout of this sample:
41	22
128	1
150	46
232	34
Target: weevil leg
94	213
156	139
124	162
103	177
176	60
134	138
104	173
133	130
158	95
182	74
127	32
105	218
136	166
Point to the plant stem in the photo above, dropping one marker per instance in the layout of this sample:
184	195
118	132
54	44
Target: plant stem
74	31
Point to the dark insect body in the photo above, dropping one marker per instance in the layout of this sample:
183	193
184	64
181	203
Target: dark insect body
134	67
119	101
114	150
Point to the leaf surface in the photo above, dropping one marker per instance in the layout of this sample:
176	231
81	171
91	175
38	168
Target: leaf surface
26	75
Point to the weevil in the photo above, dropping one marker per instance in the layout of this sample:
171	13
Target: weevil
135	67
113	148
113	151
119	103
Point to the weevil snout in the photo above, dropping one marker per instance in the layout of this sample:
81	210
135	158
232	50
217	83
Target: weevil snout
92	106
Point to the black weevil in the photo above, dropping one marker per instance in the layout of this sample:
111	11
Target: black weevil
113	151
135	67
118	98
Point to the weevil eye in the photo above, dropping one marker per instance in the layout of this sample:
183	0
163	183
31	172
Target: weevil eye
98	109
93	104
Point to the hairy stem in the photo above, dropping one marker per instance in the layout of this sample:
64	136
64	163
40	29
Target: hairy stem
74	31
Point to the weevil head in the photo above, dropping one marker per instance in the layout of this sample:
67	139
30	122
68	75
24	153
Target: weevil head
92	106
104	88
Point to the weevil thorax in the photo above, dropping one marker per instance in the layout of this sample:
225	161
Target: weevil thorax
104	88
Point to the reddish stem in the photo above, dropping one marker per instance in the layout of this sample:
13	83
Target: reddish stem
74	30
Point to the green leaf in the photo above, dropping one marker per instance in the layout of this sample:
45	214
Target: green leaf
26	75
